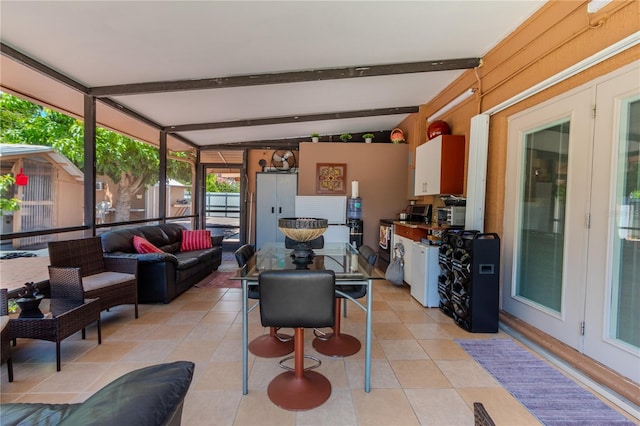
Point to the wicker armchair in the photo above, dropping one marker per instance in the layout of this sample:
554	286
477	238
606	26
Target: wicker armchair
5	334
114	280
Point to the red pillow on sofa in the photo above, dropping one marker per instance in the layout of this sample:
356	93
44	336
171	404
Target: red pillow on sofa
195	240
144	246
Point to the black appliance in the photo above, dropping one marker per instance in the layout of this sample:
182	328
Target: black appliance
419	213
474	296
355	232
384	243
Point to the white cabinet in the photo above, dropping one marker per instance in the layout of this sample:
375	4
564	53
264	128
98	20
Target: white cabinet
408	253
275	199
424	273
440	166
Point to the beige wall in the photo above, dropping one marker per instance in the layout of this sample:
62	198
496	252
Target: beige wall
379	168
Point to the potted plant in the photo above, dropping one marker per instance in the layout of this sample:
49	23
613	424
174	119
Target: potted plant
345	137
315	137
29	298
368	137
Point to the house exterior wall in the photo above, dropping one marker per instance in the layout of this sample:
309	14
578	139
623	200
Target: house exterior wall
558	36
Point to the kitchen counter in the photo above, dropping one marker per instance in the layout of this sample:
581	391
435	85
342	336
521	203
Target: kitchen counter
416	231
420	225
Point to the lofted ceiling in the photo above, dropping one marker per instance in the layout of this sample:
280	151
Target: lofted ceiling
247	73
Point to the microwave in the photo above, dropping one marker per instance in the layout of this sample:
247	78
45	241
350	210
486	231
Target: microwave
451	216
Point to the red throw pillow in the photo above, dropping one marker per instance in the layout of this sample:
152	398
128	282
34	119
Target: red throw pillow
144	246
195	240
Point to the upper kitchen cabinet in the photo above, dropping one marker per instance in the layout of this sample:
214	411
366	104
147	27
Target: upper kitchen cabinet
440	166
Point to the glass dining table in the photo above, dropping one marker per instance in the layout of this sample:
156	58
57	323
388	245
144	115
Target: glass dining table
341	258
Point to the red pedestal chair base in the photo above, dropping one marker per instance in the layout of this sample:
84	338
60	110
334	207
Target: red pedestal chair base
297	394
337	345
269	346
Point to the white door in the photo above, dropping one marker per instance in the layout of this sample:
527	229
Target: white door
571	259
612	325
545	235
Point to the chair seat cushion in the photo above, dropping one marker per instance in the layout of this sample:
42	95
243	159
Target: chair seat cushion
105	279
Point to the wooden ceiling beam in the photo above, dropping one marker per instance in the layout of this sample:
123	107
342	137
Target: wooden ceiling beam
293	143
291	119
285	77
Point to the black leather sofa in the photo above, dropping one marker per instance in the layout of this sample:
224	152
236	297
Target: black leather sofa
150	396
163	276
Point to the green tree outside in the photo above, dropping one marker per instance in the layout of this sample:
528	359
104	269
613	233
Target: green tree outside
130	164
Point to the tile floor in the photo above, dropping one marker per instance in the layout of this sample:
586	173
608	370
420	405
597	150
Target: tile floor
420	376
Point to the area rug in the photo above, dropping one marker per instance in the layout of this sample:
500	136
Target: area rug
219	279
549	395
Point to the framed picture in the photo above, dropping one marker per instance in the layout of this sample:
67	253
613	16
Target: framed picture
331	178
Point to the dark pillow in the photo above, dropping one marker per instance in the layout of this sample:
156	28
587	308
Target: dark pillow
148	396
217	240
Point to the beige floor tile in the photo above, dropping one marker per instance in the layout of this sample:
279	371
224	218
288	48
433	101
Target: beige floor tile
391	331
186	317
153	317
403	349
337	411
257	409
383	407
419	374
219	317
417	316
443	349
219	376
466	374
417	367
194	350
382	375
503	408
175	333
150	351
74	377
439	407
206	408
108	351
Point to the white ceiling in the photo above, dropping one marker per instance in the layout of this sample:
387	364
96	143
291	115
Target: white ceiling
100	43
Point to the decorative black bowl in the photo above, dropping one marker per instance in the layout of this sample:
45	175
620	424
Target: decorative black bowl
302	230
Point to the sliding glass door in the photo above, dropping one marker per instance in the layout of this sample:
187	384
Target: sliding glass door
572	220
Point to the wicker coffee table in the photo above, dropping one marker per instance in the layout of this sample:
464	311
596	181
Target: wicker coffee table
67	317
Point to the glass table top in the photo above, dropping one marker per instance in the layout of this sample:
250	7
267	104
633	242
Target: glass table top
341	258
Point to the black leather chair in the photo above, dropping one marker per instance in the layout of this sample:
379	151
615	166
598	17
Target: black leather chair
299	299
338	344
274	344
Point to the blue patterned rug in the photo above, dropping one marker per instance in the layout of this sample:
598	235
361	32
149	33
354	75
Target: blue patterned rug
548	394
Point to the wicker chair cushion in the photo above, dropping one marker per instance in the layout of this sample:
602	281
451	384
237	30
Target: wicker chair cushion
105	279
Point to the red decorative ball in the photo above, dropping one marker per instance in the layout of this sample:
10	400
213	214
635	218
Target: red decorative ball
438	128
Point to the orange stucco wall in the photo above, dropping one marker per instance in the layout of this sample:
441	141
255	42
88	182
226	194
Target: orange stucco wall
558	36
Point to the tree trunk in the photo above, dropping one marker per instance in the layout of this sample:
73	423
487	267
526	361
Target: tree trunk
128	186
